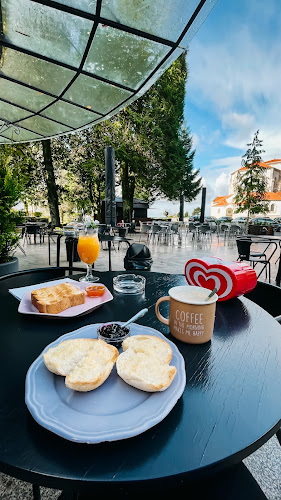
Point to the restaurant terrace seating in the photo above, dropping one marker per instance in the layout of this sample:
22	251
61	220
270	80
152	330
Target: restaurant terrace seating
244	254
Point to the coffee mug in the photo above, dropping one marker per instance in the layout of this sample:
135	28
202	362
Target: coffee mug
191	318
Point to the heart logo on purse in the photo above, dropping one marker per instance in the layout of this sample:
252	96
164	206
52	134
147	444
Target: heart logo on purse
231	279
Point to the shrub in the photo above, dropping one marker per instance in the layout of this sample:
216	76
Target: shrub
9	219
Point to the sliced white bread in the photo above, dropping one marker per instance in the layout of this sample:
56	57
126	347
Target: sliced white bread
86	363
144	364
149	345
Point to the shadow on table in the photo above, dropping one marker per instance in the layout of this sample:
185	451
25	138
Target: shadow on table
232	318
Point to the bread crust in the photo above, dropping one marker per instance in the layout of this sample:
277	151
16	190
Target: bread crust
57	298
144	363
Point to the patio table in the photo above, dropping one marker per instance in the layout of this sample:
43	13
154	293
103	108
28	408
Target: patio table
231	404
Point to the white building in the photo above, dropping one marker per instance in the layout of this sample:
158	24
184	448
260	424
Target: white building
224	206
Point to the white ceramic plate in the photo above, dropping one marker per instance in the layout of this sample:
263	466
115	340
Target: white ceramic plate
111	412
91	303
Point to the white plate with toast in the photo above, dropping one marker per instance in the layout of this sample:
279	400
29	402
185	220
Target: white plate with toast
91	303
113	411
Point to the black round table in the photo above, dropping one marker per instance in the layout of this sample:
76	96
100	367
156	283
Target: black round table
231	404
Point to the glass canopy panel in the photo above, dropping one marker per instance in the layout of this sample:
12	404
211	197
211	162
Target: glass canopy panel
122	57
20	135
35	72
175	54
23	96
44	43
46	31
12	113
84	5
209	4
157	17
43	126
70	115
95	94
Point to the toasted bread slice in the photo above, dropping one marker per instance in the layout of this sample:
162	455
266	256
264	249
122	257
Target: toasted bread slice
55	299
144	364
86	363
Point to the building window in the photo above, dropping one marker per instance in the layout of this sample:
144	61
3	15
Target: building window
272	207
219	210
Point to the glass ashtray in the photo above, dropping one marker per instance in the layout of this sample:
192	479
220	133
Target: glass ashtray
129	283
113	333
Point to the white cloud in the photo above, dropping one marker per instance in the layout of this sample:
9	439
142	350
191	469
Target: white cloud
229	163
271	142
238	79
222	183
238	69
242	127
195	141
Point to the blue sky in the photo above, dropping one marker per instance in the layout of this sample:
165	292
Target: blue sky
233	90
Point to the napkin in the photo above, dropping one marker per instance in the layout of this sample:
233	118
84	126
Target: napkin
19	292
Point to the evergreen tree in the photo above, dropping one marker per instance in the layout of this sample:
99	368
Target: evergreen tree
251	184
158	118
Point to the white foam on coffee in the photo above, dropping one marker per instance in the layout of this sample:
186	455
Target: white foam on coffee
191	294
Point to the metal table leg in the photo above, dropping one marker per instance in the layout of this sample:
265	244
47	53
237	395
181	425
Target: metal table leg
109	255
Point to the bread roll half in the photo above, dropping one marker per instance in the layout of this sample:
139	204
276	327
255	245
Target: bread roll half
150	345
86	363
144	364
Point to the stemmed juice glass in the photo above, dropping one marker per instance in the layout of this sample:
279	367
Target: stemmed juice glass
88	249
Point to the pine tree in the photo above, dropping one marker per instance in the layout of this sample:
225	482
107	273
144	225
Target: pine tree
251	185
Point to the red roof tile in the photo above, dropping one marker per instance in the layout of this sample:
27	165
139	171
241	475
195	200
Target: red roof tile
221	200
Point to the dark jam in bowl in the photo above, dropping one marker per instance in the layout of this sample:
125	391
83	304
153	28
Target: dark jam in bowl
113	334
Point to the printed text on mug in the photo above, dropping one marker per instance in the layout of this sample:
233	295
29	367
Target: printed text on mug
187	323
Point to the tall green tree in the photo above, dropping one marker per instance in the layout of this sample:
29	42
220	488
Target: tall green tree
157	118
51	183
251	185
153	153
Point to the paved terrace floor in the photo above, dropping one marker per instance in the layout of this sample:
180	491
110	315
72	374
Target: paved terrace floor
264	464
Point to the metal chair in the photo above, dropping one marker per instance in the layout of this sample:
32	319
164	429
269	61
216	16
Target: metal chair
205	230
122	232
154	232
244	254
145	229
193	229
234	230
35	231
268	297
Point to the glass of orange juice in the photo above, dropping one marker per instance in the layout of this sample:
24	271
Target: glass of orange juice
88	249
